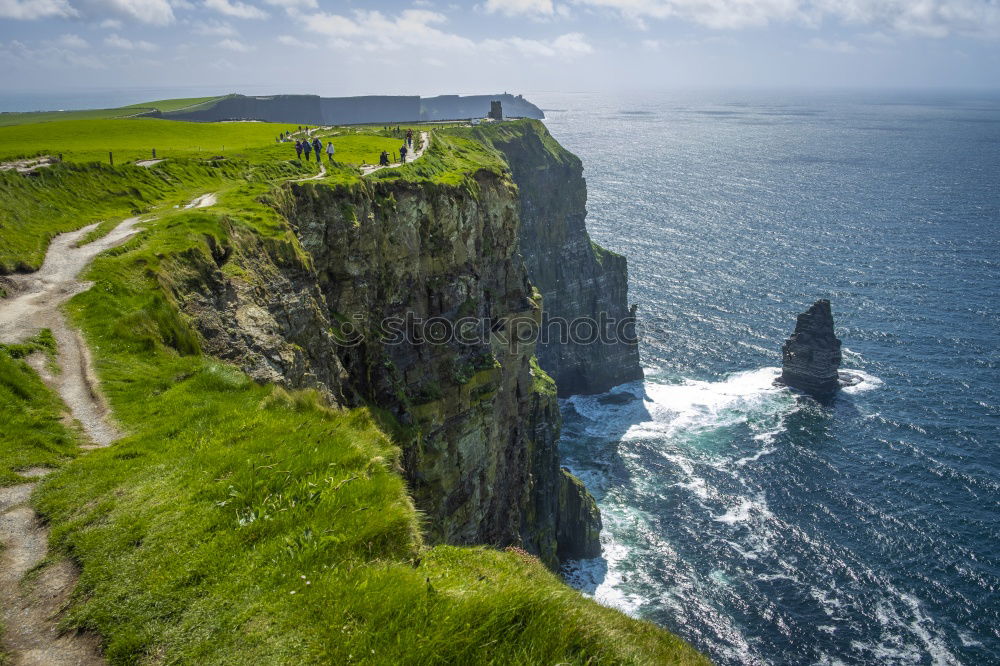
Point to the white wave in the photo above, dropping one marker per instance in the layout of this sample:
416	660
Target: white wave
746	510
757	456
601	578
865	381
696	485
737	514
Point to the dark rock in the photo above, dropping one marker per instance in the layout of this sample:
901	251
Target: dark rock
811	356
580	281
616	399
579	520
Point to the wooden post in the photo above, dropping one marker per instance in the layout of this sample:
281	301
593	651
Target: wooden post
154	153
111	158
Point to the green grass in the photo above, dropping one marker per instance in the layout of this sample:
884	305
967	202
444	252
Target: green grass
450	160
67	196
132	139
33	432
240	523
166	105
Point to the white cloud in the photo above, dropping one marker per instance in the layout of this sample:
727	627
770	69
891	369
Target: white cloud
293	4
112	24
423	29
931	18
565	46
514	7
154	12
571	44
49	56
236	9
831	45
651	45
27	10
234	45
118	42
297	42
215	29
69	41
374	31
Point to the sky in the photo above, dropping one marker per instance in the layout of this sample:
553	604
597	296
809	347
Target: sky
345	47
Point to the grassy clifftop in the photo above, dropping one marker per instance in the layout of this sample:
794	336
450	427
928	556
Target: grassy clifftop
242	523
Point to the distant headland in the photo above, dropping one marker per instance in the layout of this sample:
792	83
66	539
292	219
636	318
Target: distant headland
313	109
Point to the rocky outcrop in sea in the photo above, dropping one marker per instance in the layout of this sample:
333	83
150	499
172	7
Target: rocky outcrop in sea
811	355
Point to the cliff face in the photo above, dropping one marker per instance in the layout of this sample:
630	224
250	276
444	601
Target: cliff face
315	110
580	281
360	301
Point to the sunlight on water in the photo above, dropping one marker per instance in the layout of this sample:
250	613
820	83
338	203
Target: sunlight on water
759	525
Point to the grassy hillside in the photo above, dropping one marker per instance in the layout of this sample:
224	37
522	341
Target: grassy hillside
165	105
85	188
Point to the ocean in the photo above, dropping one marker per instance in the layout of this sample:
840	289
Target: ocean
760	526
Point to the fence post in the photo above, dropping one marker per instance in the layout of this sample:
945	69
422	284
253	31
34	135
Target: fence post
154	153
111	158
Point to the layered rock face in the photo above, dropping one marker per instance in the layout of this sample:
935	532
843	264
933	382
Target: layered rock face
811	356
580	281
316	110
360	299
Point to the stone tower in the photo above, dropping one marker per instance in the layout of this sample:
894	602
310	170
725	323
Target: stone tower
496	111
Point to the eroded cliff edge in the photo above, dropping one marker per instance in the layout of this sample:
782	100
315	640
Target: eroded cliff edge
580	281
479	418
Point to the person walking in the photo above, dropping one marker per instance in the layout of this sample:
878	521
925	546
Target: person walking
307	149
402	154
318	149
409	138
330	150
298	149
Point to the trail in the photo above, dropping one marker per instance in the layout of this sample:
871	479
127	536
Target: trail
30	609
29	165
321	174
425	141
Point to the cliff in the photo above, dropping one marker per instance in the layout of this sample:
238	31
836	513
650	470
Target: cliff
382	268
590	344
316	110
811	355
309	516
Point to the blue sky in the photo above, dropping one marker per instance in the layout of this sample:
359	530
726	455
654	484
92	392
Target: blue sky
432	46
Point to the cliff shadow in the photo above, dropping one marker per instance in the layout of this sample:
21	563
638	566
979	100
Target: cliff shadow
590	447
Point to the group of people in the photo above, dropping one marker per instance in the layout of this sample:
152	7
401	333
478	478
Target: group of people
315	147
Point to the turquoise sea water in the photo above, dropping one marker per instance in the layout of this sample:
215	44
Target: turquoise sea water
762	527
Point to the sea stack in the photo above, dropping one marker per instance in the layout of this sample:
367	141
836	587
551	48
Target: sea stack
811	356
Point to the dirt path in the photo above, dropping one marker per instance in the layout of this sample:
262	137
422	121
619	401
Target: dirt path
425	141
30	608
321	174
29	165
